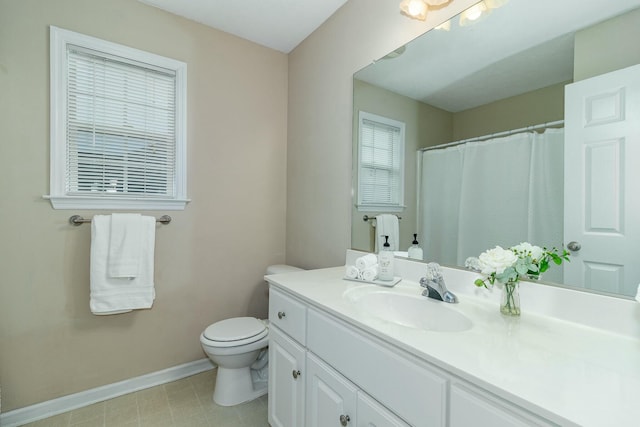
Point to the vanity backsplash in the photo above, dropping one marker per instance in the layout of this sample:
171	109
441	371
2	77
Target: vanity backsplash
613	314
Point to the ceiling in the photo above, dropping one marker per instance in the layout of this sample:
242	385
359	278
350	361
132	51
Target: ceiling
456	70
277	24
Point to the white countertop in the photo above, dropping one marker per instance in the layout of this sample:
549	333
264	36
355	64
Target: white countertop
565	372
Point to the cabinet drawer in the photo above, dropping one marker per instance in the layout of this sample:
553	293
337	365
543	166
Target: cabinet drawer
380	371
288	314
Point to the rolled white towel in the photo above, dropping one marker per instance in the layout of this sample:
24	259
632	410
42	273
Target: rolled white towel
352	272
366	261
638	294
370	273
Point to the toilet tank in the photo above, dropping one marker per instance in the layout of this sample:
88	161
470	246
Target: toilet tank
282	268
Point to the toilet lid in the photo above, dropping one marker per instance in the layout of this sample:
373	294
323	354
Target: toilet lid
235	329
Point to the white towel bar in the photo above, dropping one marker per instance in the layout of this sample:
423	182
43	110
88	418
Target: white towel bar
370	218
78	220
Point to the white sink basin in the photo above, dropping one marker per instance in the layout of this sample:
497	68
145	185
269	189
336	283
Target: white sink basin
411	311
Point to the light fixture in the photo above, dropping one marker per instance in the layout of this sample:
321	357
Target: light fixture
473	13
479	10
436	2
417	9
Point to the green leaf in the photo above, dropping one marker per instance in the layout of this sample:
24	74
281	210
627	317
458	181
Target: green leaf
521	268
556	259
480	283
544	265
509	274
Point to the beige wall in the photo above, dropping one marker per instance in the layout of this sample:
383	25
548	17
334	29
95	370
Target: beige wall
209	261
424	125
320	117
531	108
605	47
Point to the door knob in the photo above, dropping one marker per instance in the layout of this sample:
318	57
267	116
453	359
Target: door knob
574	246
281	314
344	419
295	374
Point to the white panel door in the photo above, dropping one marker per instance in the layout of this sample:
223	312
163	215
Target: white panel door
602	206
331	399
286	380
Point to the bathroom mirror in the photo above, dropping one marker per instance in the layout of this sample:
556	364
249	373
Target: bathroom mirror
504	72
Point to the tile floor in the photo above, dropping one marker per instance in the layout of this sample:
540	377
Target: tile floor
184	403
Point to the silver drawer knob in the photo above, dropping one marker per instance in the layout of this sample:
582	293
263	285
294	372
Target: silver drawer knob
344	420
296	374
281	314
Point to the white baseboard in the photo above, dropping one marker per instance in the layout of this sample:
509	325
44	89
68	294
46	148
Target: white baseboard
63	404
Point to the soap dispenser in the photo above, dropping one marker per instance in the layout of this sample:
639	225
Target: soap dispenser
385	261
415	251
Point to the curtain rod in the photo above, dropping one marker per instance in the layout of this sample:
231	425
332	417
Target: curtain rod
494	135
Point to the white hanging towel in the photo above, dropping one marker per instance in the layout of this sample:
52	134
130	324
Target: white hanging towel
113	295
125	245
387	225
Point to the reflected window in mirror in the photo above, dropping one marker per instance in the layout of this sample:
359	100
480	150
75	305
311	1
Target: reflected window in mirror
380	163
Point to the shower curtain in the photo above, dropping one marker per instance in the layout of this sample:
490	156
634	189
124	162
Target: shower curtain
501	191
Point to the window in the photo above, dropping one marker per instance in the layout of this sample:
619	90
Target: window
380	163
118	135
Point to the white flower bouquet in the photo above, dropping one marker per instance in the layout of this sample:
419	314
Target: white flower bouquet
509	265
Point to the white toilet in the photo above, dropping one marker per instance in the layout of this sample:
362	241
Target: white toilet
239	347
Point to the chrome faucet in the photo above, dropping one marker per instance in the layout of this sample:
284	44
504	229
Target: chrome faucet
434	284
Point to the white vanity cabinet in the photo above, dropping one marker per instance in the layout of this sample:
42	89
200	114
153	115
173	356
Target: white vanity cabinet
332	400
324	371
306	389
372	414
286	380
472	406
287	359
410	388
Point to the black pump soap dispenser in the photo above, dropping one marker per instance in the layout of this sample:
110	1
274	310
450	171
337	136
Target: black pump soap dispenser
415	251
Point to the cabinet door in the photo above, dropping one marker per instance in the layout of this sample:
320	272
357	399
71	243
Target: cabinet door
373	414
414	390
331	399
470	408
286	380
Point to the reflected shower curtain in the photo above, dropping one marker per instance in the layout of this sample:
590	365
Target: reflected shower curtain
501	191
440	203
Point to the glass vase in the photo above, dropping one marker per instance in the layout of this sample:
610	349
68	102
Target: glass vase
510	302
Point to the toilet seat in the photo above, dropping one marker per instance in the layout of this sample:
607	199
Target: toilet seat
235	332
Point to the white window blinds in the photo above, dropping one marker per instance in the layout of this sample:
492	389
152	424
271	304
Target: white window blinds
118	126
121	132
381	163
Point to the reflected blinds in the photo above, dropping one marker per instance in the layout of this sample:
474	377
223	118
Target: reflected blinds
380	164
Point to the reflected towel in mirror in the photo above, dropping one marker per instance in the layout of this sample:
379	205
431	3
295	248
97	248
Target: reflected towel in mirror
387	225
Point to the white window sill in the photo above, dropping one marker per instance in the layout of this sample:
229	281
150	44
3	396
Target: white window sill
82	202
380	208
